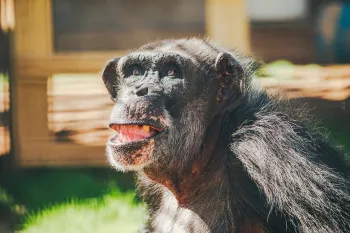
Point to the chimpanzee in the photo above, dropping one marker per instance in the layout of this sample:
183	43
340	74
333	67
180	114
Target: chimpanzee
213	152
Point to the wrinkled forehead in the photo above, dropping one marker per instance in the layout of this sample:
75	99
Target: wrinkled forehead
156	58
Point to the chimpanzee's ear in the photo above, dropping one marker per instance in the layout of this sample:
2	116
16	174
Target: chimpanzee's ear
230	75
109	77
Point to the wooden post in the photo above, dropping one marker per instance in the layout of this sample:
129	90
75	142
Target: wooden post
35	61
32	39
228	23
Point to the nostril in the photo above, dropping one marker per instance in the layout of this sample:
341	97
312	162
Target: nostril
142	91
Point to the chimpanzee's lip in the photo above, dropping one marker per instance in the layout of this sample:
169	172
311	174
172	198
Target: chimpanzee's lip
142	132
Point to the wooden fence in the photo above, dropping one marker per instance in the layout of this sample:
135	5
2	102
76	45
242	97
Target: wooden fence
53	123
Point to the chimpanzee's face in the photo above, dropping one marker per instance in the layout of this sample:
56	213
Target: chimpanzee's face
150	93
164	101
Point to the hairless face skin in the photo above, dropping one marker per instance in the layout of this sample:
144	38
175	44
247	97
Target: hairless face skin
213	153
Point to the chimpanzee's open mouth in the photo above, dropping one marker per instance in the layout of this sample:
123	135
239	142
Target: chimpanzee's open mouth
130	133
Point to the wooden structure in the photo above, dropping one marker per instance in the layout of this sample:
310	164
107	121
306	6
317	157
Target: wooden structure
35	61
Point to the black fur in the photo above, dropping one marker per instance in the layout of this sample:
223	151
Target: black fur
268	170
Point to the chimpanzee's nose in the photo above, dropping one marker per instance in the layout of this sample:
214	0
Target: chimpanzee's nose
142	91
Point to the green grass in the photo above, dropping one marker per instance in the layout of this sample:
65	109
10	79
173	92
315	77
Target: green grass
4	77
4	82
283	69
74	200
114	213
338	133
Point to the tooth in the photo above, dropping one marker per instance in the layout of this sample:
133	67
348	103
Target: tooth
146	128
115	127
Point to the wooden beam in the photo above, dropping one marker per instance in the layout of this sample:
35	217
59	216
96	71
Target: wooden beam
62	63
228	23
54	154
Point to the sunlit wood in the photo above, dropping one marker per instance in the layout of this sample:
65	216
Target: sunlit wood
228	23
7	17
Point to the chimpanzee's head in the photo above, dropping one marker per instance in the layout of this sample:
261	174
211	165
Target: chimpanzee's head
167	94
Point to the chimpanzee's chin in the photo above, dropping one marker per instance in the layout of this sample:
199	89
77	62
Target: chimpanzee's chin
130	156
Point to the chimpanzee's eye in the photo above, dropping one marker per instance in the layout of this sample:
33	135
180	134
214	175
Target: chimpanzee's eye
136	71
171	72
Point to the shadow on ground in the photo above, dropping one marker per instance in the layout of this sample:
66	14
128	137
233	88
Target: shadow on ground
37	188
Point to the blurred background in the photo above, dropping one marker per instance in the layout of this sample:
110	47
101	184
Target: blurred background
54	108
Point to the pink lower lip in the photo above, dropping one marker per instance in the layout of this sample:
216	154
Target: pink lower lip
132	133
